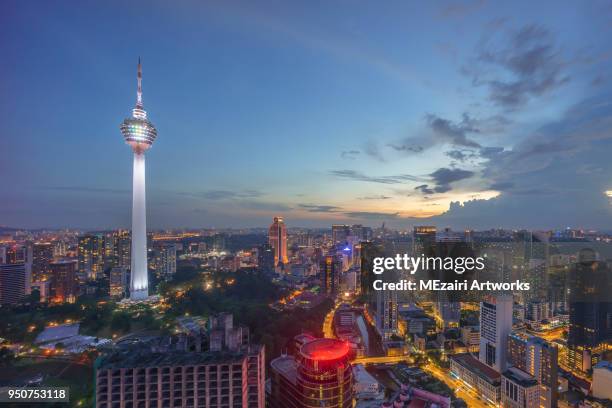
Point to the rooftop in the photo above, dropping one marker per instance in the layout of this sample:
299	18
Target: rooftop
476	366
138	357
325	349
520	377
285	366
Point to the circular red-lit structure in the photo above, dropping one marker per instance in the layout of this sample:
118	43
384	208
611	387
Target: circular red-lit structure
325	349
324	376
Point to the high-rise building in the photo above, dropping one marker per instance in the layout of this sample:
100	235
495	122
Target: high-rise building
277	236
118	281
423	238
330	274
91	256
162	260
140	134
495	326
386	313
340	233
42	255
122	242
590	324
63	280
265	257
319	376
538	358
12	283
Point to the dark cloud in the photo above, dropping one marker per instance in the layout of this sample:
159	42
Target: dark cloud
406	148
424	188
462	155
526	64
441	180
319	208
357	176
350	154
445	176
455	134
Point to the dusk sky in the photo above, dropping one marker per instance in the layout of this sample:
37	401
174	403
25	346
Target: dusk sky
473	114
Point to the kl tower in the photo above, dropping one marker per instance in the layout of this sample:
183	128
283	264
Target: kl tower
139	133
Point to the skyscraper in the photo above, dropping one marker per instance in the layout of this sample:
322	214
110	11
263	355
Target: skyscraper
63	280
278	240
140	134
91	256
495	326
42	255
12	283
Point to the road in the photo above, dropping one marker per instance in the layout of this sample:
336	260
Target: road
461	390
328	328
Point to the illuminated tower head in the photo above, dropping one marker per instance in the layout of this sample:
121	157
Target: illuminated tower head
137	130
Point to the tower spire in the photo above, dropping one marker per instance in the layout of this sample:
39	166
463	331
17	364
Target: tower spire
139	93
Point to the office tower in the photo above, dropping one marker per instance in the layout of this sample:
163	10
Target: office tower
265	257
519	389
423	238
163	260
590	325
91	256
319	376
330	274
538	358
63	280
495	326
140	134
12	283
278	241
118	281
42	255
340	233
386	313
10	254
122	242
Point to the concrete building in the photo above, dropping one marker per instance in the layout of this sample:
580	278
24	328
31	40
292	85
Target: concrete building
602	380
140	134
519	389
12	283
495	326
477	375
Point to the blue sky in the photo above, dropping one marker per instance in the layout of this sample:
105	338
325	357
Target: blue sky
473	114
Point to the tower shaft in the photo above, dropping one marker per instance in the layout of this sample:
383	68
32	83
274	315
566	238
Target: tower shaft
139	285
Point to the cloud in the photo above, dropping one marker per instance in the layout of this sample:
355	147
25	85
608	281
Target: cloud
223	194
406	148
319	208
371	215
350	154
357	176
453	133
81	189
526	64
371	149
375	197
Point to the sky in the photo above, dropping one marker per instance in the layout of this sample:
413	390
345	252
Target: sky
471	114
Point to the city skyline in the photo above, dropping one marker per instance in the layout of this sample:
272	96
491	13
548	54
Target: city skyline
320	117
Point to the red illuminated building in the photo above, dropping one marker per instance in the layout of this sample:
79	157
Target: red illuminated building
320	375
